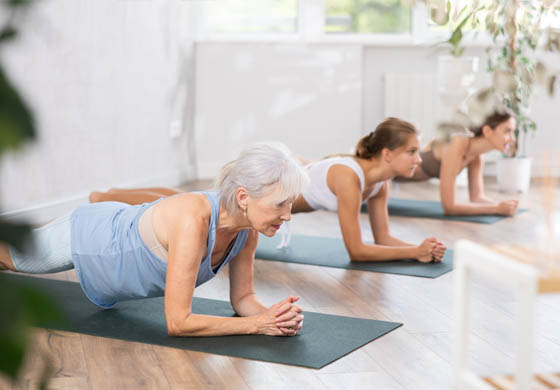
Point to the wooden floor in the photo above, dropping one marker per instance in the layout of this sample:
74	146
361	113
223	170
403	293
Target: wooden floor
415	356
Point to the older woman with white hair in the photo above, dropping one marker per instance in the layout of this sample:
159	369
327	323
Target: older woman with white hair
172	245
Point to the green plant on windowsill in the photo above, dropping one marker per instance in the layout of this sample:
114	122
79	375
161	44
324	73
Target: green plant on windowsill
20	306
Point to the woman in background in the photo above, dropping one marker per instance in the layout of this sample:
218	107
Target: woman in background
446	160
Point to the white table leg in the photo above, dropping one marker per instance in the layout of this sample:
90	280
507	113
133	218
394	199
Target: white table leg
527	294
461	305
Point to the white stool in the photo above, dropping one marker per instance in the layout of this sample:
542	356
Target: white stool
508	266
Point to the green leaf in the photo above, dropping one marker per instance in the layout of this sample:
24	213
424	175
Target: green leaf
13	343
19	3
456	37
16	121
7	33
14	234
21	306
42	310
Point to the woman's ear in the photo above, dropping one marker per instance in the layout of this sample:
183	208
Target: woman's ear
386	155
242	197
487	130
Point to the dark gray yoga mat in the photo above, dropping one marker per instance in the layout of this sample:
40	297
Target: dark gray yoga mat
331	252
323	339
433	209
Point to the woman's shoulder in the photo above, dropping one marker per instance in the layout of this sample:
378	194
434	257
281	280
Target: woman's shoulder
456	143
188	205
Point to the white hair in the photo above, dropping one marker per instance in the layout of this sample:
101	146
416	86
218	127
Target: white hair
257	169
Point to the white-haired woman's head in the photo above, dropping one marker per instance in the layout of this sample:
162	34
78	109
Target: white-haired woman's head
261	184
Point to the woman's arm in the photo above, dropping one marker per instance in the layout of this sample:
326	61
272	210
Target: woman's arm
476	181
187	237
287	318
379	219
430	249
346	186
451	165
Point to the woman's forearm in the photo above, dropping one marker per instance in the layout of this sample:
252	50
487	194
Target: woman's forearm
470	208
482	199
203	325
369	252
392	241
248	305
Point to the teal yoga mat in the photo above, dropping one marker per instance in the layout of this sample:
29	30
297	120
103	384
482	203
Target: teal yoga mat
323	339
433	209
331	252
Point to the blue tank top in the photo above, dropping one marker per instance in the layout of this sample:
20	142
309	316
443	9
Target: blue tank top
112	262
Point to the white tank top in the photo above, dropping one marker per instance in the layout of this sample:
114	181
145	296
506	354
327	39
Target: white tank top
318	195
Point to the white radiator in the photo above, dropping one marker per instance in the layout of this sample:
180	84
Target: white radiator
413	97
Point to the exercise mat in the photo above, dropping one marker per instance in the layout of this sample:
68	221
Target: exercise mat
331	252
432	209
323	339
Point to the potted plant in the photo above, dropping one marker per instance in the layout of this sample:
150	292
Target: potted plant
516	28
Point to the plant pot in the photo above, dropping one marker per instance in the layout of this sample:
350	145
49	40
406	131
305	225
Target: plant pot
514	174
455	77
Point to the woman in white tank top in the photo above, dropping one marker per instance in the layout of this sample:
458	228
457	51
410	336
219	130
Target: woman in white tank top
342	184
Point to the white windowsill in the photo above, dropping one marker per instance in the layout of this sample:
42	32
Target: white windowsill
373	40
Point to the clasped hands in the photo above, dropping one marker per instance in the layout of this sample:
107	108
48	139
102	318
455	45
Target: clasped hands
281	319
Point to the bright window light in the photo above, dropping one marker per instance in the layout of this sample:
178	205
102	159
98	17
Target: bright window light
367	16
251	16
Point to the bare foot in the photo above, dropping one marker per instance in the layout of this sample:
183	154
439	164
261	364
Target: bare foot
95	197
6	263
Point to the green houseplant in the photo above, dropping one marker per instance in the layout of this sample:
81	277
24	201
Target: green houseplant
20	306
517	30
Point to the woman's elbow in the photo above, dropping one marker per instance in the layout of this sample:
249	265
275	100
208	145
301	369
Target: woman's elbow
357	254
177	326
172	329
448	209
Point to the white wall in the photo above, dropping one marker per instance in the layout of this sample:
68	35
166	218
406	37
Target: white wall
105	79
307	96
316	97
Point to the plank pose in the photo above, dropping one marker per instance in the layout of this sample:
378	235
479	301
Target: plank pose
172	245
446	160
342	183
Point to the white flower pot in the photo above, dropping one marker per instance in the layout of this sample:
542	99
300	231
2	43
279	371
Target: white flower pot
514	174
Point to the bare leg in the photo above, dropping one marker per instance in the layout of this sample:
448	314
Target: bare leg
130	197
6	263
163	191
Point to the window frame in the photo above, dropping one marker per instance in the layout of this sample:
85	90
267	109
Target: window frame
311	29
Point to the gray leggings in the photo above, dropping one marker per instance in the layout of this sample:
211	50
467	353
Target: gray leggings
51	250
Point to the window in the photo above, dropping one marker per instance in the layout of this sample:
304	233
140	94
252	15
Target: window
251	16
367	16
460	10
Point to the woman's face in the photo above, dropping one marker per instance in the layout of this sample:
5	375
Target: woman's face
405	159
502	135
266	214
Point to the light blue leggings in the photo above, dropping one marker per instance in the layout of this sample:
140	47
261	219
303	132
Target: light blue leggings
51	249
